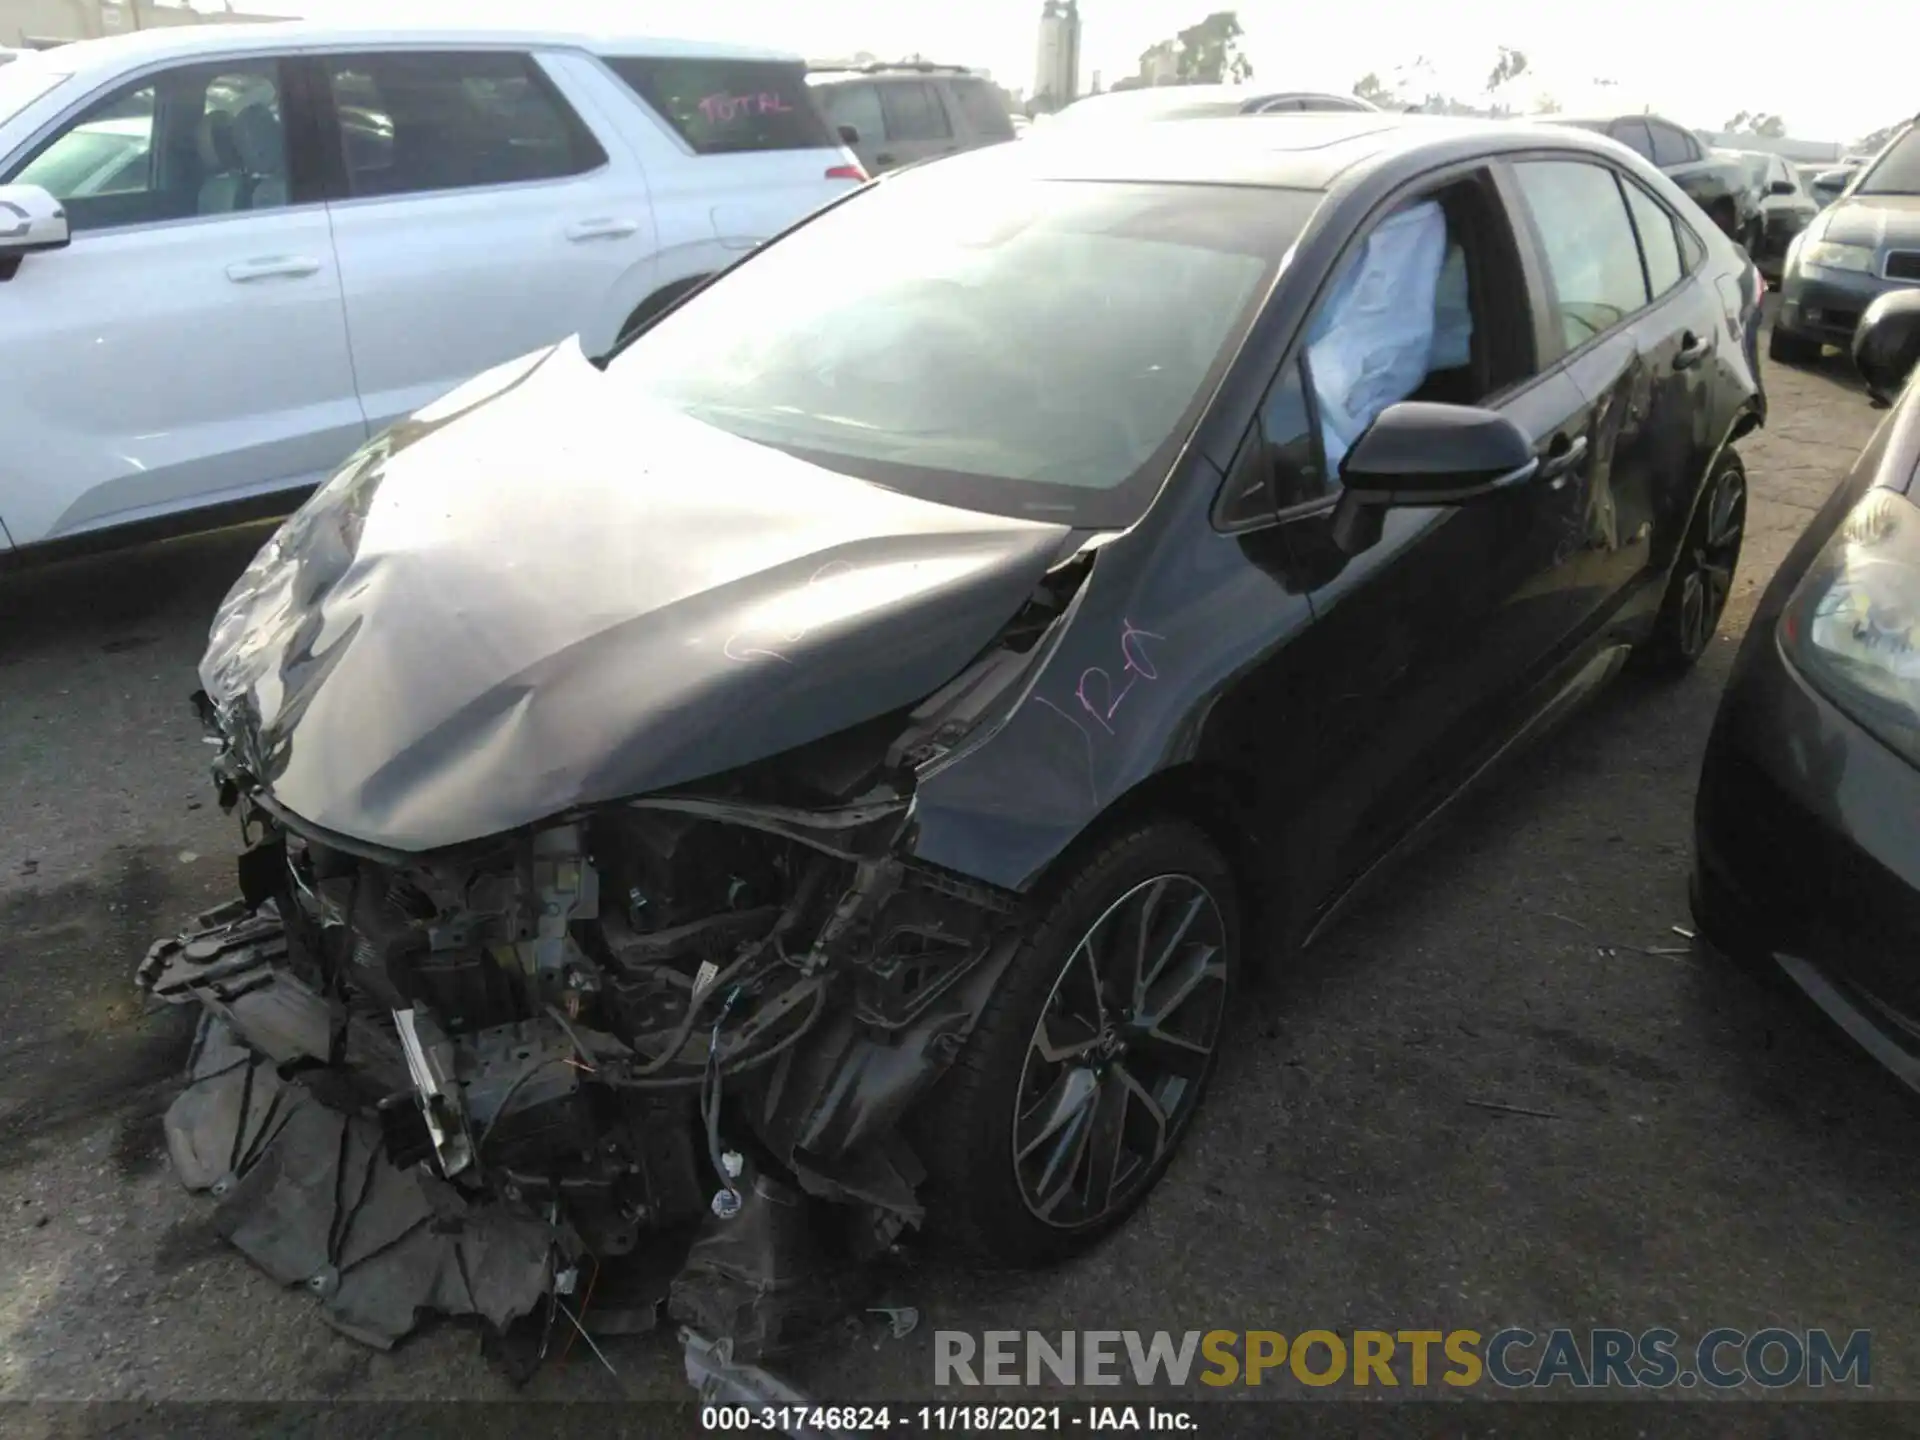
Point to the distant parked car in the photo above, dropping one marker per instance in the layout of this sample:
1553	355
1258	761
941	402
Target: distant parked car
894	115
1717	185
1199	102
1858	248
276	240
1785	206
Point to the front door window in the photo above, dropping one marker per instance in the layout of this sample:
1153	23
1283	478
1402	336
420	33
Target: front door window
196	141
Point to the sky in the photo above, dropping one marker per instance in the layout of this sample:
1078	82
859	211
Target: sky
1698	61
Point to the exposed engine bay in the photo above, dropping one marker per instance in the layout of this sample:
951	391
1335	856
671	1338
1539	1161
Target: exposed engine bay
586	972
664	1053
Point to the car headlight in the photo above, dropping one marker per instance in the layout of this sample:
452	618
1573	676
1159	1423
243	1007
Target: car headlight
1852	626
1827	255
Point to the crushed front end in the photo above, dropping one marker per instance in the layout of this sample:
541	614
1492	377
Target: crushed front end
656	1059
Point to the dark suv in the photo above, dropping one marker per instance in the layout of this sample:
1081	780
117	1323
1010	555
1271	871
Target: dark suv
903	113
1718	186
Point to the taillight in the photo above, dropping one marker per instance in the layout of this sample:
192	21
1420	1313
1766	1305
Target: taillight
847	172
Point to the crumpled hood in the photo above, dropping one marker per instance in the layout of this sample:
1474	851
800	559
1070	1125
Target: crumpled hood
533	596
1873	221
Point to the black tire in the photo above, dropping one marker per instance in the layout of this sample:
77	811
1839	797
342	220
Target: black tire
977	1190
1702	576
1787	349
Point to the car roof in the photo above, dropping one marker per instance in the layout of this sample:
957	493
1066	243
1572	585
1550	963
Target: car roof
119	52
846	74
1147	97
1307	151
1604	118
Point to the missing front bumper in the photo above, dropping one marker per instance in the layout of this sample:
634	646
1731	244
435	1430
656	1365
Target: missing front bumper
289	1120
306	1191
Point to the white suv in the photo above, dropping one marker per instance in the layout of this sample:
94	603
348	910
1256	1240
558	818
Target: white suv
230	254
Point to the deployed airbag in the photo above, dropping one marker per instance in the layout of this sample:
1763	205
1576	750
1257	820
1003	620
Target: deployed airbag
1375	340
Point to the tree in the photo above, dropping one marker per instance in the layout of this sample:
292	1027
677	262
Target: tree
1756	122
1546	105
1871	144
1370	88
1509	65
1209	53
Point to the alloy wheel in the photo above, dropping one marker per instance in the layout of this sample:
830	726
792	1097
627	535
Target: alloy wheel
1714	550
1114	1066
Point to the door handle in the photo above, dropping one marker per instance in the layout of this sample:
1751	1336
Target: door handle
272	267
1555	465
603	229
1692	351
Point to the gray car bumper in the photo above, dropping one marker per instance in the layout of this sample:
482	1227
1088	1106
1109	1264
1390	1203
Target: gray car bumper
1826	305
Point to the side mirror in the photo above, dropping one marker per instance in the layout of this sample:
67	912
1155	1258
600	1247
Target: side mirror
1782	187
1886	344
1835	180
30	220
849	136
1417	453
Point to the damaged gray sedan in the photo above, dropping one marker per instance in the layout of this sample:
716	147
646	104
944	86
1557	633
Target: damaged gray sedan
714	810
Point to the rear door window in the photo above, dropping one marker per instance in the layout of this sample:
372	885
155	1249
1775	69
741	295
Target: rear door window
1592	256
914	111
414	121
729	107
985	112
855	105
1671	146
1633	134
1659	241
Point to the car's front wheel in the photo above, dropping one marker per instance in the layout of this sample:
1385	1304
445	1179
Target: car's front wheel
1089	1061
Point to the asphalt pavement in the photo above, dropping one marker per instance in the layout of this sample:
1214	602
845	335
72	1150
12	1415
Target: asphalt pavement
1499	1096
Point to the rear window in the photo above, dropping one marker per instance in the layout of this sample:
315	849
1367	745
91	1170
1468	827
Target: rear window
726	107
986	113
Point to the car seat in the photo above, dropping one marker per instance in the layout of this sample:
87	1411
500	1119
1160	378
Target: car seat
222	174
263	153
